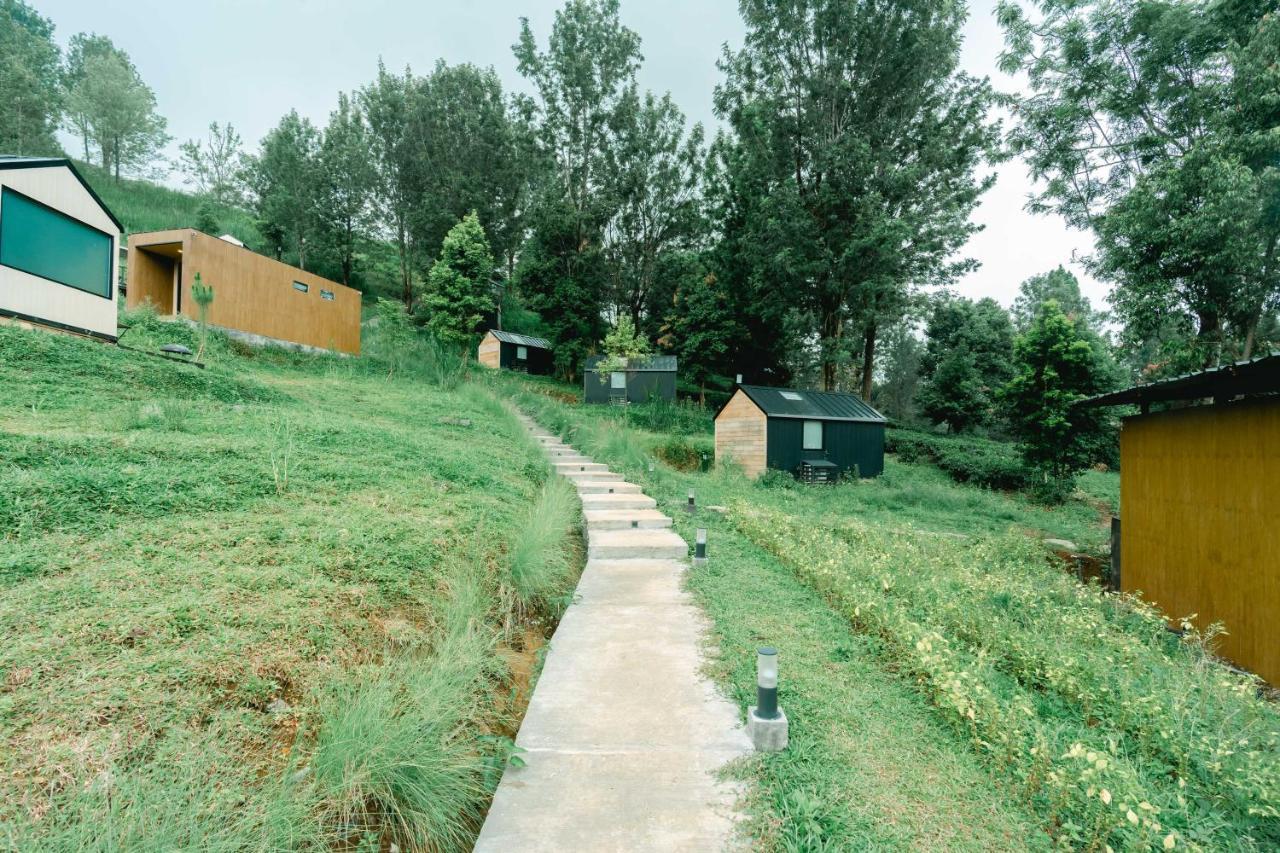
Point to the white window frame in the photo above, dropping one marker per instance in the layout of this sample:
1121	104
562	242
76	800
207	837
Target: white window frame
618	380
522	353
805	442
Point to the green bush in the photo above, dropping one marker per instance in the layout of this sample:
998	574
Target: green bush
981	462
686	454
684	418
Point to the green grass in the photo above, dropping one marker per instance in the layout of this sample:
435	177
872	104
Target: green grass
263	605
949	684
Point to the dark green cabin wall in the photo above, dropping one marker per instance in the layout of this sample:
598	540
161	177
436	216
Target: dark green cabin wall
642	386
538	363
846	444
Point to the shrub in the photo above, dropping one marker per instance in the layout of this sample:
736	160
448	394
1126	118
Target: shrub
672	417
686	454
982	462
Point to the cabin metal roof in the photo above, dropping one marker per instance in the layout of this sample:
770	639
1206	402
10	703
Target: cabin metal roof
16	161
811	405
1255	377
520	340
653	364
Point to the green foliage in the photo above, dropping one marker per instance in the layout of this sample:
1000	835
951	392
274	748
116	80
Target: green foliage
622	345
203	295
686	454
144	206
540	568
213	166
459	289
701	328
1056	368
395	343
284	180
990	464
967	360
345	183
29	77
1062	287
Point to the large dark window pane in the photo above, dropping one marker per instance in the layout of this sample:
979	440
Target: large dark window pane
41	241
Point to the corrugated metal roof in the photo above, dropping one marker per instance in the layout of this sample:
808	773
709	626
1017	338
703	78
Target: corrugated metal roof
1257	376
811	405
16	161
655	364
520	340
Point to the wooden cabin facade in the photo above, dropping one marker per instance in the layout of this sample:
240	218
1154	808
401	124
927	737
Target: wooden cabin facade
258	297
644	380
809	434
510	351
58	249
1200	520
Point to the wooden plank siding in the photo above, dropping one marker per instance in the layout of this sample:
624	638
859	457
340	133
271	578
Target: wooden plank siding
1201	523
256	294
490	352
741	434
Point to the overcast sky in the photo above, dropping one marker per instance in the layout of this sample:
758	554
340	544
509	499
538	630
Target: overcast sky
249	61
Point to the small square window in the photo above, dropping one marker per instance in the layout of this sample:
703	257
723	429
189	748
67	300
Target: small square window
300	287
813	435
522	353
790	395
327	295
618	380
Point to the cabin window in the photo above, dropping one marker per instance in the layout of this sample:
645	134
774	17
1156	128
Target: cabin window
813	435
522	353
47	243
327	295
790	395
618	380
300	287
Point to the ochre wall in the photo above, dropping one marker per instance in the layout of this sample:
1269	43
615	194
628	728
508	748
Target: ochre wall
1200	522
254	293
150	280
741	430
490	352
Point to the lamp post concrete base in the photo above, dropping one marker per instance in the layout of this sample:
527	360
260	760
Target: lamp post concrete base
699	561
767	735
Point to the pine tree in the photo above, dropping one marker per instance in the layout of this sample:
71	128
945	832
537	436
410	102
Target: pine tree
459	290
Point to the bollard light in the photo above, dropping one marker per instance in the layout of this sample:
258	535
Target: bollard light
689	507
651	467
700	547
767	683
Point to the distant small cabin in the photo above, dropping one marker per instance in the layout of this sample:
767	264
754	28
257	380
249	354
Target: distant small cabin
1199	517
817	436
644	380
509	351
58	249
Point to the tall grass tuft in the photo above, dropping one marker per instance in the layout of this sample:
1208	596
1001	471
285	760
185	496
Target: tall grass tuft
397	753
393	340
540	566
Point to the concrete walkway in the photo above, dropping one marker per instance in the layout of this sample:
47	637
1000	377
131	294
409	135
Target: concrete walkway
623	735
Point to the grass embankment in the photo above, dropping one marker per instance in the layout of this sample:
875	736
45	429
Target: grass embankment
287	602
957	690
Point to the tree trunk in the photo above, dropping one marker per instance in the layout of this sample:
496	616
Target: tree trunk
868	360
406	280
702	394
832	328
1210	336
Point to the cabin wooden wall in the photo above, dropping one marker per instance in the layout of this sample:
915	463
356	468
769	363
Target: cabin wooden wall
490	352
741	430
150	280
255	294
1201	522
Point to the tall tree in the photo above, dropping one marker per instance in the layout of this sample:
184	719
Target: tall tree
583	81
346	180
214	166
1152	122
460	287
655	171
465	154
111	107
895	395
967	359
31	105
1055	368
284	179
701	328
385	104
1061	286
865	140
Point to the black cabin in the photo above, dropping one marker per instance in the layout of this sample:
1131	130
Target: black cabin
509	351
646	379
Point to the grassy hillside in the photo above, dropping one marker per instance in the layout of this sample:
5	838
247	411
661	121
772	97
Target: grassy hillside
287	602
950	684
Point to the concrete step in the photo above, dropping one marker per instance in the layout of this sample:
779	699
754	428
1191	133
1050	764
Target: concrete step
576	477
617	501
559	452
579	467
635	545
625	519
607	487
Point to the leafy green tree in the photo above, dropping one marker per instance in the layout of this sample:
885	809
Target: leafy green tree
346	180
583	82
1055	368
862	141
967	358
895	394
1152	123
622	345
386	103
466	152
207	218
284	177
701	328
1060	285
111	107
214	166
31	106
459	289
203	295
